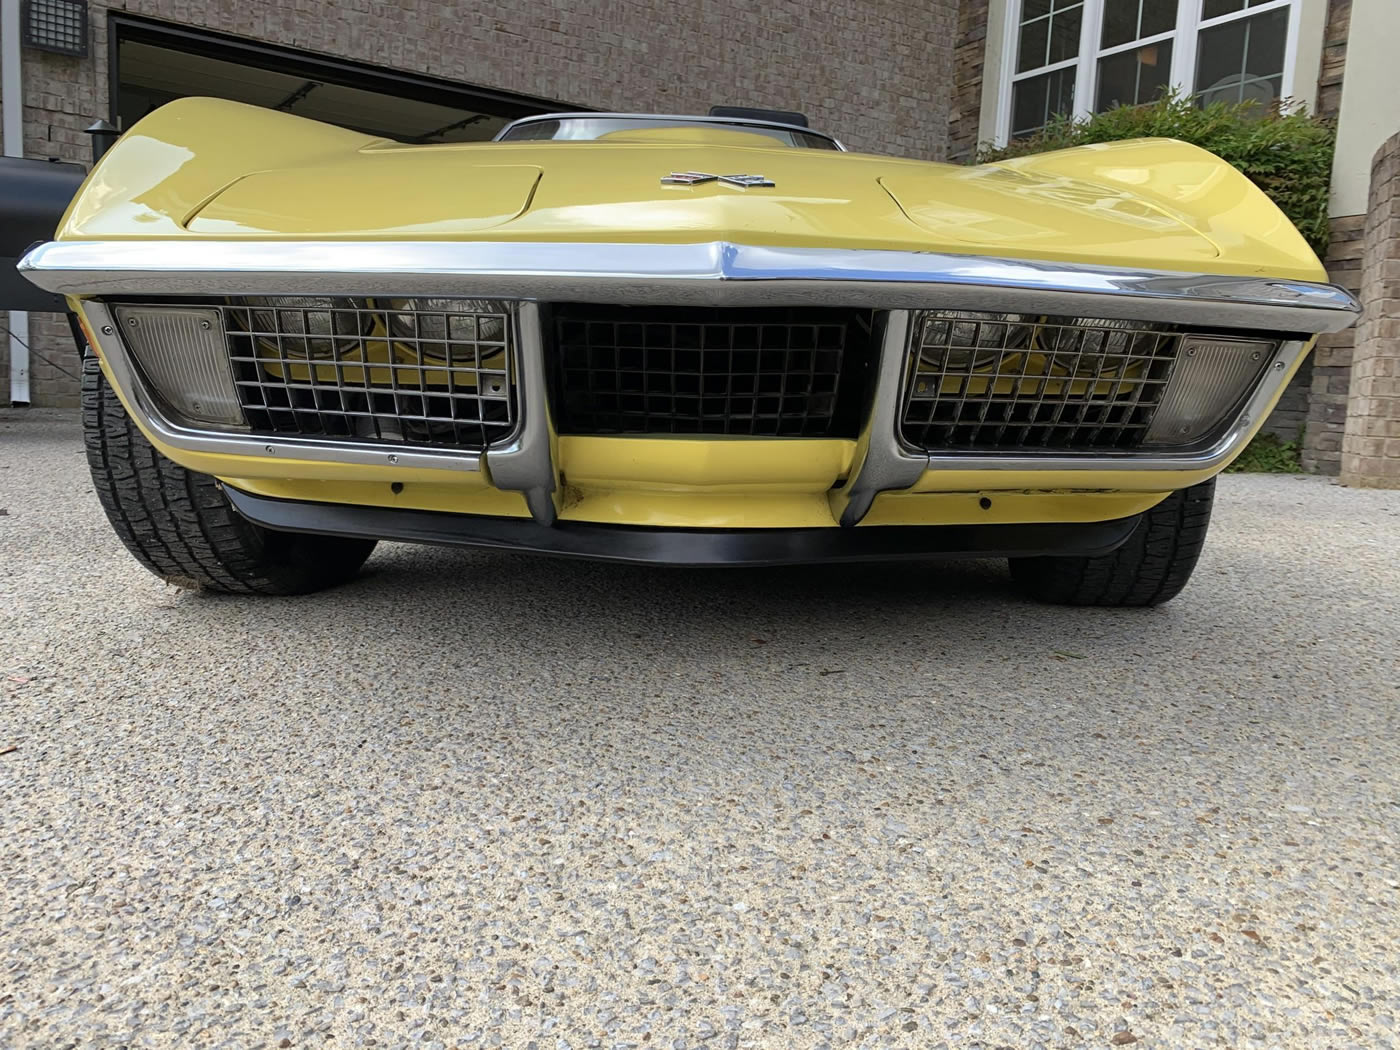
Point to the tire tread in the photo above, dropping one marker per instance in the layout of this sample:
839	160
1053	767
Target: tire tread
178	523
1151	567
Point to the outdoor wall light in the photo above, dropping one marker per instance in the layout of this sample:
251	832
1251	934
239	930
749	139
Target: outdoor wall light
60	26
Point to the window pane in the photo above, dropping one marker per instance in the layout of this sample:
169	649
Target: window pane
1064	34
1126	20
1215	8
1119	23
1034	9
1243	59
1130	78
1036	99
1267	41
1158	16
1034	41
1049	39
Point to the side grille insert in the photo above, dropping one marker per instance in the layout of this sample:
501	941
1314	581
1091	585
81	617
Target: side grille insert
436	373
990	383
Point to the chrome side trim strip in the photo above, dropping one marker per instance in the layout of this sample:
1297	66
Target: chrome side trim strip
715	273
881	461
262	447
527	462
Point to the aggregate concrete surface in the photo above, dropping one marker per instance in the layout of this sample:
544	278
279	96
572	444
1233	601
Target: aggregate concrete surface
476	799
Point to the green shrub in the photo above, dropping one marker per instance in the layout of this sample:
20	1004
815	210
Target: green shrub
1285	152
1266	454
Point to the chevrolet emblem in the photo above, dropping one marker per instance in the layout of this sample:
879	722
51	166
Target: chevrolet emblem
691	178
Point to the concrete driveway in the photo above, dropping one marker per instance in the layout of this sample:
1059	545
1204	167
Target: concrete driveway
480	800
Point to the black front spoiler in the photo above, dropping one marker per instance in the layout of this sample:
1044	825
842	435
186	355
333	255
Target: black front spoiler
685	547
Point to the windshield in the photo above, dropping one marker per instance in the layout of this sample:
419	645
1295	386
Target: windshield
588	128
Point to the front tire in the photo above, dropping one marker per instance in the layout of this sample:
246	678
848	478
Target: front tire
1150	568
180	526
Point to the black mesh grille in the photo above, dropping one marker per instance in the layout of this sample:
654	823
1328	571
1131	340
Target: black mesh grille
675	370
979	384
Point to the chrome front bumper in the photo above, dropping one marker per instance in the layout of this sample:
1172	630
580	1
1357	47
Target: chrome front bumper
712	274
715	273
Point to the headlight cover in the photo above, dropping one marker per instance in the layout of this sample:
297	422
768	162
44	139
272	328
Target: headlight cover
432	325
962	341
335	326
1087	344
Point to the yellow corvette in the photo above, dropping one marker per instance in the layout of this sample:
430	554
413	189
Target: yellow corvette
717	340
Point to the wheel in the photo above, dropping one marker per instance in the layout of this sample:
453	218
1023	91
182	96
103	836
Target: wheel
1150	568
179	524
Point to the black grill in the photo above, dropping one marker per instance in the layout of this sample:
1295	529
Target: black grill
677	370
979	383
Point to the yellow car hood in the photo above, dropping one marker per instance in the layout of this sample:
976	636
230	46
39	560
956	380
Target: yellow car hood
612	191
206	169
395	196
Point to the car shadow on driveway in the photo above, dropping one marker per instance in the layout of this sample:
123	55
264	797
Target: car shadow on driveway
493	638
519	614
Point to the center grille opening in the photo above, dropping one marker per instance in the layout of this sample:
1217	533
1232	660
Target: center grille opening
763	372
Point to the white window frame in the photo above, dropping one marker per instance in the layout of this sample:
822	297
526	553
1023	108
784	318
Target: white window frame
1183	37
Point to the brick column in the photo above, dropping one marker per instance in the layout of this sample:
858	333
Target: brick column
1329	370
1371	446
969	53
1322	383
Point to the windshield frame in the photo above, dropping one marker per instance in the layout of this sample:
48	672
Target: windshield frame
680	119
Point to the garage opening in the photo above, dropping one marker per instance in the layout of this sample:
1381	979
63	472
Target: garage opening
153	63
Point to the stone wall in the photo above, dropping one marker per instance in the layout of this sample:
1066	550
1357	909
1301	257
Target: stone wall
876	73
1289	419
1331	358
1327	374
62	97
1334	58
1371	446
969	59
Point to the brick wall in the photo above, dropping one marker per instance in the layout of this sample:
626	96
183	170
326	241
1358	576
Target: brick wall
54	364
1334	58
1327	374
1289	419
60	100
877	73
969	56
1371	445
1331	358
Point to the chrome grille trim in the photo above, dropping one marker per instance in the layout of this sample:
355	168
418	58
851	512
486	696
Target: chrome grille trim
1033	385
882	462
527	464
